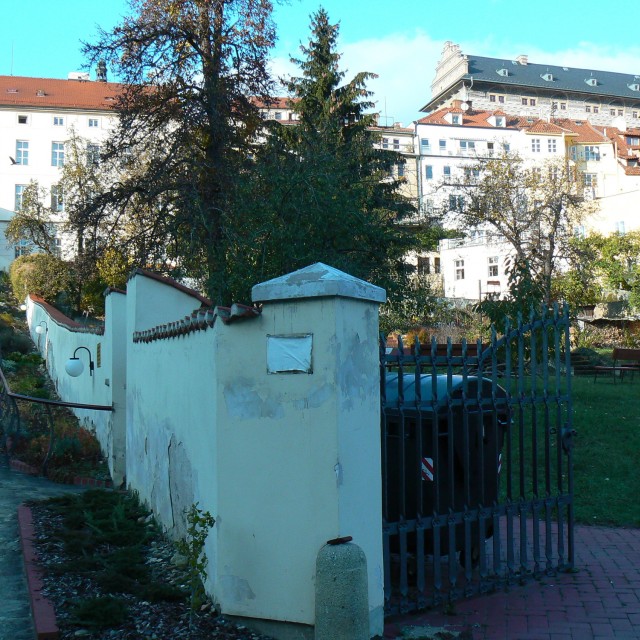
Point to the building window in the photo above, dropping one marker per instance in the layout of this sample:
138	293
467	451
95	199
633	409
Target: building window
18	196
57	201
23	120
93	122
436	265
459	269
493	266
446	171
620	112
93	154
620	227
525	101
551	145
563	106
23	248
425	147
396	144
634	114
612	112
385	143
492	97
426	206
499	121
400	169
22	152
589	179
455	119
535	145
532	102
506	146
443	145
489	146
428	172
424	266
58	121
57	154
587	108
456	203
592	152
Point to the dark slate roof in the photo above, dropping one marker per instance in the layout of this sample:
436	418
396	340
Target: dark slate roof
607	83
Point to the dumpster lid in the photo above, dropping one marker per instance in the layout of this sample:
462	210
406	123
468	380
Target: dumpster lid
442	387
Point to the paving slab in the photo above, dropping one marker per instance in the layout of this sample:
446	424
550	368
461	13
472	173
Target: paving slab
16	622
600	600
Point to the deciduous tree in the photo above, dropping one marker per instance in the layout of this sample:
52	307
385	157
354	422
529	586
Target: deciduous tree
534	207
189	70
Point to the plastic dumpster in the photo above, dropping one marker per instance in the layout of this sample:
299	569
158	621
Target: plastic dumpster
442	450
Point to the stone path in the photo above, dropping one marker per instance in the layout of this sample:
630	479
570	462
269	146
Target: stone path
600	601
15	615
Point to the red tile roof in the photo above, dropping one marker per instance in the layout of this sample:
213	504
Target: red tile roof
18	91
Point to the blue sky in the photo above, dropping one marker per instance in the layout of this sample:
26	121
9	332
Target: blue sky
401	42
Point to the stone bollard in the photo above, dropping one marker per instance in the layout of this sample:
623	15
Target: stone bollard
342	595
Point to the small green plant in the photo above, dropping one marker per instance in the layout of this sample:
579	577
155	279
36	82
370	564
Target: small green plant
192	548
99	613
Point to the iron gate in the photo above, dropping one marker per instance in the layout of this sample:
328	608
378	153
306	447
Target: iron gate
476	463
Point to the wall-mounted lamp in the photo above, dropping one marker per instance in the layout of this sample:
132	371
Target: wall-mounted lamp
74	366
40	329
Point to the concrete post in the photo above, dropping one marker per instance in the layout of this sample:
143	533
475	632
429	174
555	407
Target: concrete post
342	601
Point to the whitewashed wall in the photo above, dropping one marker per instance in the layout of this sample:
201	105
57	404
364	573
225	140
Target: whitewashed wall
61	338
283	461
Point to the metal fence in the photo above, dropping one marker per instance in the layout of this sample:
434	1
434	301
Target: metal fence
476	463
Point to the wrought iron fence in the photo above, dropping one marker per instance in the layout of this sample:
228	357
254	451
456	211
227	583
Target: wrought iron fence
477	466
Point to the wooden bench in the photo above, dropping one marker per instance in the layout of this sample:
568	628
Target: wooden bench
625	361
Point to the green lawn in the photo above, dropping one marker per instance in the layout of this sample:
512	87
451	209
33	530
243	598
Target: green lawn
607	451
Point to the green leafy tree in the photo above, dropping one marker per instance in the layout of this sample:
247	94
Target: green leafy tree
187	119
39	273
320	190
34	221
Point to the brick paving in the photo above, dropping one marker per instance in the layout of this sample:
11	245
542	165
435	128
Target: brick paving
600	600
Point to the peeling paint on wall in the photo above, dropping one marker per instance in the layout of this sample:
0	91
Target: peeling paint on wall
245	403
236	589
180	486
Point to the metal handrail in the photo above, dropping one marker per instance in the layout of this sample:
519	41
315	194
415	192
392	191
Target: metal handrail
6	391
57	403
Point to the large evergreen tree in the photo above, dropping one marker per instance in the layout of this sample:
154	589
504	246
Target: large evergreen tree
321	190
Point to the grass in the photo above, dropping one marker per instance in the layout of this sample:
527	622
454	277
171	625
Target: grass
606	479
605	450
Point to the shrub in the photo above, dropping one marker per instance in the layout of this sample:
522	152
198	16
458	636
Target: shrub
40	274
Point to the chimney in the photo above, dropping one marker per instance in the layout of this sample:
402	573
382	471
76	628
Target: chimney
523	59
101	71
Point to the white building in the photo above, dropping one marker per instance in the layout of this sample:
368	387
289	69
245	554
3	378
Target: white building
36	118
451	140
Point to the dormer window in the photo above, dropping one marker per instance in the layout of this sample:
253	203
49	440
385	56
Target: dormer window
503	72
455	118
592	82
499	121
634	87
548	77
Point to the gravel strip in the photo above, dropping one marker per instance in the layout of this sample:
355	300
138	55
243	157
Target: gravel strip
146	620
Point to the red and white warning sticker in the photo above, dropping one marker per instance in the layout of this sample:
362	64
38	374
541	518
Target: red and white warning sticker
427	469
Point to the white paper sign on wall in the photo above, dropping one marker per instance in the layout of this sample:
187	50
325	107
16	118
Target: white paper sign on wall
289	354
